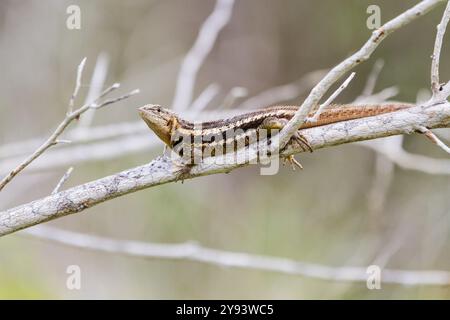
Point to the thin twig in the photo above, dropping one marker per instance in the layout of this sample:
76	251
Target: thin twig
108	102
162	170
205	97
433	138
346	65
284	92
119	130
379	190
368	95
373	77
53	139
77	84
196	56
331	98
62	141
97	83
108	90
192	251
63	180
95	151
394	151
435	58
235	94
382	96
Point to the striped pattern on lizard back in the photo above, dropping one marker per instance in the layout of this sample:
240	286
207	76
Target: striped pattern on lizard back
228	135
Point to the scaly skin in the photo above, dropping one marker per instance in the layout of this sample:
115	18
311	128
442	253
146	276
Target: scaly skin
229	135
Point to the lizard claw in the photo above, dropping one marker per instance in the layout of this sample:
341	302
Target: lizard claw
182	170
302	141
293	162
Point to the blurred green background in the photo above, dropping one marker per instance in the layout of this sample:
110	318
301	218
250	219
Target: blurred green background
320	215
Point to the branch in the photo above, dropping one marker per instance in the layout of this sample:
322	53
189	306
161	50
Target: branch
134	139
53	138
331	98
131	131
205	97
77	83
378	97
234	95
435	58
345	66
63	180
284	92
194	252
381	181
373	77
70	116
368	96
95	144
95	87
162	170
433	138
196	56
406	160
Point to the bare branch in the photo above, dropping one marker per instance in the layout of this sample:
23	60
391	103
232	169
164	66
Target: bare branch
433	138
406	160
196	56
345	66
105	92
435	58
120	130
101	150
63	180
381	96
194	252
62	141
379	191
162	170
77	84
327	103
111	101
373	77
232	96
95	87
53	139
283	93
205	97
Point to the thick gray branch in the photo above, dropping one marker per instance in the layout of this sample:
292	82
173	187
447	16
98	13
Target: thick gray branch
195	252
162	170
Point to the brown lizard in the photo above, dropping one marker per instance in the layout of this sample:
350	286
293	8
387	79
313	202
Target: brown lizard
228	135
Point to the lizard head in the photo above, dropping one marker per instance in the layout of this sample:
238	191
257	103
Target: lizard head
159	120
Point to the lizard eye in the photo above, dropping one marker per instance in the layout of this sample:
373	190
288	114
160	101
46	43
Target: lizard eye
158	109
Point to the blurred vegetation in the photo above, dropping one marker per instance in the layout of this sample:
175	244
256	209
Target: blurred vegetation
319	215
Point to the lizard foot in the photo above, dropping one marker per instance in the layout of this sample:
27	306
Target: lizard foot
293	162
181	170
302	141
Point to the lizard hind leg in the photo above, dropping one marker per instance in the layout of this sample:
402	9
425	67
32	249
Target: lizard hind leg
293	162
273	123
302	141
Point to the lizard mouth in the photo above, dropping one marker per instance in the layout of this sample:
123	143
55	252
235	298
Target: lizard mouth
150	114
156	119
150	117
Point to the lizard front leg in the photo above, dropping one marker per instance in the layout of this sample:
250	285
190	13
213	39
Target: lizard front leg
181	146
274	123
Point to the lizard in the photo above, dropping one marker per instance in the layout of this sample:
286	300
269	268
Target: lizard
231	134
